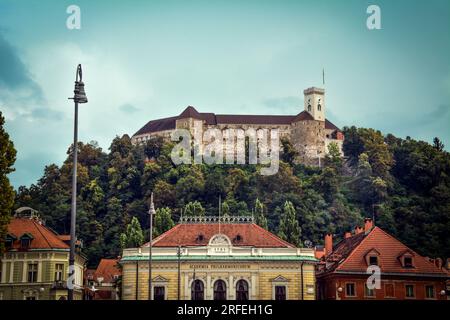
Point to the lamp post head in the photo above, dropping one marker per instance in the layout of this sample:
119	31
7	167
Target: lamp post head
79	93
151	210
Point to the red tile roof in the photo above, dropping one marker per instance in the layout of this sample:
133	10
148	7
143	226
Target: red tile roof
213	119
349	255
189	235
107	269
43	238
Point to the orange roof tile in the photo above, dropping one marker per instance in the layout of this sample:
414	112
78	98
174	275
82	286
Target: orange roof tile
250	235
43	238
107	269
349	255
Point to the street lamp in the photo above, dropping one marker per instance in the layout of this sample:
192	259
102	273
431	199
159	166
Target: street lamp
151	213
79	97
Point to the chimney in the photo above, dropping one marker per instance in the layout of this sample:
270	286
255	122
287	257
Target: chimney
368	225
438	263
347	235
358	230
328	243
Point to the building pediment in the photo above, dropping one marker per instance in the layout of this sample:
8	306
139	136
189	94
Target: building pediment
280	278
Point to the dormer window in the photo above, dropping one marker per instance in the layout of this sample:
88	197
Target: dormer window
238	238
373	258
407	259
408	262
200	238
25	241
9	241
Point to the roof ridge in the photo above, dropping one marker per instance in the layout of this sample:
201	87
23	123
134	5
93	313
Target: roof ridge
164	234
357	246
35	224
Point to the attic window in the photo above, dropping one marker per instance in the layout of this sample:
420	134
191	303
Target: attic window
373	260
9	241
408	262
25	241
200	238
238	238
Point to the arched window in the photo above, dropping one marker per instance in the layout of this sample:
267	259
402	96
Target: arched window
319	107
220	290
197	291
309	108
242	290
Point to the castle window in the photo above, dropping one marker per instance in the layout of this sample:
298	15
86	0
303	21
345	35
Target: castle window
309	108
319	107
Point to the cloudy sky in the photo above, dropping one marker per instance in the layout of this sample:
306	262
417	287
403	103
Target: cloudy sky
150	59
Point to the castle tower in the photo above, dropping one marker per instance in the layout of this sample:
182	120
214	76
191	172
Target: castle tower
315	103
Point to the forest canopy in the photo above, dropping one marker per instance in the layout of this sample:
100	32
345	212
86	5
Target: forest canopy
403	184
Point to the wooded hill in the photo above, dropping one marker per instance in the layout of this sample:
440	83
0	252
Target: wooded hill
403	184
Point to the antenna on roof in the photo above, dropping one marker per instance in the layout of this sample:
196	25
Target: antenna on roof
323	76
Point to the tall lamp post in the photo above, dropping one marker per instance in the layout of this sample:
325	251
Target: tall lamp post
79	97
151	213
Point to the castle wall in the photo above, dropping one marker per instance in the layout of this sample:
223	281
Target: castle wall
308	138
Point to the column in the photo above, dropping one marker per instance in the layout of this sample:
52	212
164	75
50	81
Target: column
24	271
186	286
231	290
11	272
208	287
39	272
254	288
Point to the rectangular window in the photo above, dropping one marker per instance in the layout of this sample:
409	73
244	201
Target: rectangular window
159	293
389	290
373	260
32	272
408	262
350	290
59	269
369	292
429	292
409	291
280	292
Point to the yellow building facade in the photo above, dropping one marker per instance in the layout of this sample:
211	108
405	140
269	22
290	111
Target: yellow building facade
209	261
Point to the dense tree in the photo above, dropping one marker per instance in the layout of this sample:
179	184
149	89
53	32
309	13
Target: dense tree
403	184
163	221
289	228
7	159
260	217
133	237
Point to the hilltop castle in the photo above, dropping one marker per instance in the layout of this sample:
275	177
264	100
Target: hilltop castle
309	131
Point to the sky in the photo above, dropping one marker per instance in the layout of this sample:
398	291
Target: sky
145	60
